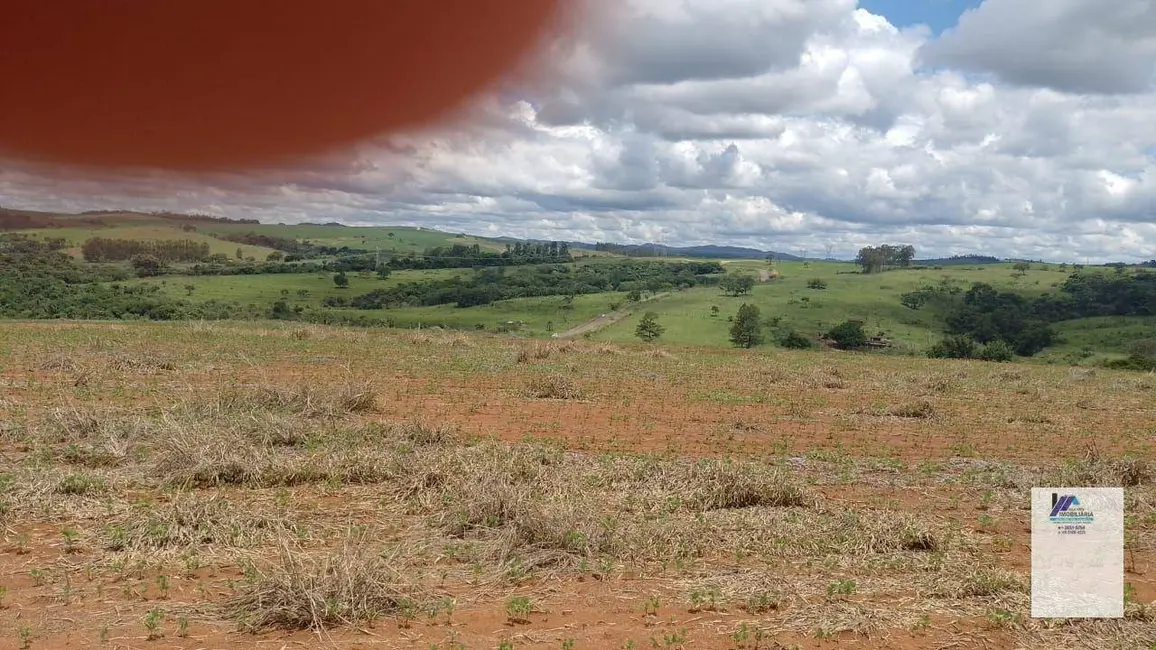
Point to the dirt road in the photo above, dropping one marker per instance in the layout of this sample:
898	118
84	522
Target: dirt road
605	320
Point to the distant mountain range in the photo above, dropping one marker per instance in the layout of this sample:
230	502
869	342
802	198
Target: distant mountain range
661	250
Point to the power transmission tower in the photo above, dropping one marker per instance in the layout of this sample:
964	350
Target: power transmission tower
830	247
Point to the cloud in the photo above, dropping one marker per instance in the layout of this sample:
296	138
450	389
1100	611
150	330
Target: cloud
1067	45
780	124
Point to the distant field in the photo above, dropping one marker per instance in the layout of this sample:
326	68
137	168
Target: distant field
540	316
1091	340
77	236
872	298
268	287
390	239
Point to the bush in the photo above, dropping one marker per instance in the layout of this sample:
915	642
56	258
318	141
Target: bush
997	350
1132	362
793	340
954	347
848	335
817	283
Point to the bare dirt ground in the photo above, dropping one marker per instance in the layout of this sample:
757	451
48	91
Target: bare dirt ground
256	486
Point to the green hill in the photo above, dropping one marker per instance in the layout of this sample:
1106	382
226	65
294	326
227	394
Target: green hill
397	276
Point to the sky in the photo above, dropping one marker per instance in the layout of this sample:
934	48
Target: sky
1014	128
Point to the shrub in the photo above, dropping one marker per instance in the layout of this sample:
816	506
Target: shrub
848	335
793	340
816	283
954	347
997	350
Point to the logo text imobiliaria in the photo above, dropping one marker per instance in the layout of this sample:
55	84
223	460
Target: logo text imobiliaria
1066	509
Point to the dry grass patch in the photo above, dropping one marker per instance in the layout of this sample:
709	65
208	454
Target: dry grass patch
303	400
536	352
1098	470
354	584
553	387
717	484
190	521
984	583
921	410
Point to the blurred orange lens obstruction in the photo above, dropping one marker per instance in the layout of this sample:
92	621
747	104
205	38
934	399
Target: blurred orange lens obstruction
196	84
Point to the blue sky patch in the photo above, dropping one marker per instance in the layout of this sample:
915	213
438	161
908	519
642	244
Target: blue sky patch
936	14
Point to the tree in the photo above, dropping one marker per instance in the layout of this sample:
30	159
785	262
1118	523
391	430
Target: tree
341	280
737	285
1022	268
383	273
240	254
714	311
634	296
146	265
875	259
848	335
648	328
275	256
747	329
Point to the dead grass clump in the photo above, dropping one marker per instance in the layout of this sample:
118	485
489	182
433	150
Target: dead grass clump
303	400
189	521
553	387
536	352
81	484
59	363
418	338
299	334
196	458
888	532
1097	470
419	432
575	527
490	504
147	365
605	348
982	583
456	340
718	484
659	353
354	584
921	410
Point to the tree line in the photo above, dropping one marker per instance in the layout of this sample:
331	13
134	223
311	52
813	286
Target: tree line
490	285
876	259
101	249
294	249
983	315
463	256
